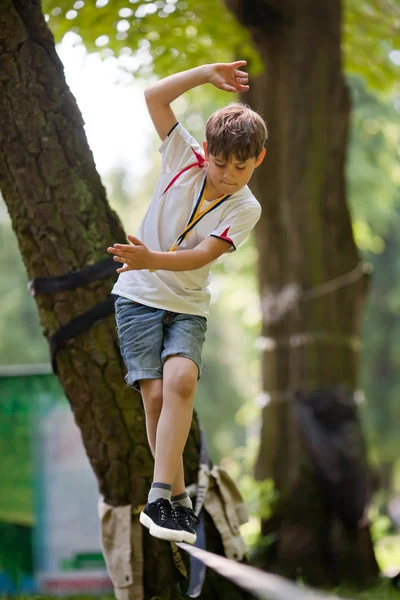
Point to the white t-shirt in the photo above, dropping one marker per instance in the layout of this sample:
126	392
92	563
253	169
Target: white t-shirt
167	216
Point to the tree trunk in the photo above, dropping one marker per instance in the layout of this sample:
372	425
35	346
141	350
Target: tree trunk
63	223
304	239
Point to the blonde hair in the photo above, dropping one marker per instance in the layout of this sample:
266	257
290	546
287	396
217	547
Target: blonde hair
236	130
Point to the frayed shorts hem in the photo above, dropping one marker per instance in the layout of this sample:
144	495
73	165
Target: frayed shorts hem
133	377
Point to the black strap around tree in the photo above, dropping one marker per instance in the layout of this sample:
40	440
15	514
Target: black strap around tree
70	281
78	325
74	279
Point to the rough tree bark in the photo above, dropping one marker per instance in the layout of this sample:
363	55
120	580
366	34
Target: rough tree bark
62	221
304	238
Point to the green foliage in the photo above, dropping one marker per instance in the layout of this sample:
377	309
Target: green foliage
373	168
387	550
380	527
371	30
166	36
163	36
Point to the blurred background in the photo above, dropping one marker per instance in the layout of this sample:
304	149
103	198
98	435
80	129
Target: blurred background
108	87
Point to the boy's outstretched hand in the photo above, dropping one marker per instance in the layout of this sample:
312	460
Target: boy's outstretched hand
134	256
227	77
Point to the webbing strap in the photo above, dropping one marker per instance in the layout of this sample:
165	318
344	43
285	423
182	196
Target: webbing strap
73	279
198	568
78	325
260	583
70	281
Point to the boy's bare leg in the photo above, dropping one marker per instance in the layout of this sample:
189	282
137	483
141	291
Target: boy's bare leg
179	388
152	391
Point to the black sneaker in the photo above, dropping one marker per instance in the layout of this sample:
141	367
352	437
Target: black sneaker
159	517
185	517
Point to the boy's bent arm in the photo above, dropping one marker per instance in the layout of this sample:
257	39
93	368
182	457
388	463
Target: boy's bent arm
188	260
160	95
137	256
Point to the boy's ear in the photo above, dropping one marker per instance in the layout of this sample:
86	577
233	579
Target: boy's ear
205	149
260	158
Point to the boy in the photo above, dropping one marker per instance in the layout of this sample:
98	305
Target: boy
201	209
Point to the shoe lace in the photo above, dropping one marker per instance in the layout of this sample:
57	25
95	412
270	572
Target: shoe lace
166	511
184	514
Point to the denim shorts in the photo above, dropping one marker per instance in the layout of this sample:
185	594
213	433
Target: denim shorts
148	336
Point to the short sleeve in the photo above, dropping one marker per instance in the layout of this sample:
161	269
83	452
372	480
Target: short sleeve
178	150
236	227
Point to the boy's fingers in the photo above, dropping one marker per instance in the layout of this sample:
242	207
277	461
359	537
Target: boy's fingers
123	249
119	249
134	240
237	88
229	88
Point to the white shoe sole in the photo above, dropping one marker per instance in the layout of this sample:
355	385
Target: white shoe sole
169	535
189	538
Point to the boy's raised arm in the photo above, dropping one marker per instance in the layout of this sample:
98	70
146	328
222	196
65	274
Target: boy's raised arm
159	96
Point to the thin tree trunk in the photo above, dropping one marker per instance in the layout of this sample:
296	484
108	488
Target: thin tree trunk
63	223
304	239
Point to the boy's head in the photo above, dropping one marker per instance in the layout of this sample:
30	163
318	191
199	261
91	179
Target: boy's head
234	146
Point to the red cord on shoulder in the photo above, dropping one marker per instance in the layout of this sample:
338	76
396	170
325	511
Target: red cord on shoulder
200	163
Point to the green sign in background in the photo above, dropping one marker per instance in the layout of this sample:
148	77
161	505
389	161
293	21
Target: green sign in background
22	391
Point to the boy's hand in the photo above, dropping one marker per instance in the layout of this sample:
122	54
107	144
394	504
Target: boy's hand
136	255
227	77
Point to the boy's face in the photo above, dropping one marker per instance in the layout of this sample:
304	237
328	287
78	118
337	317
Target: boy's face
228	177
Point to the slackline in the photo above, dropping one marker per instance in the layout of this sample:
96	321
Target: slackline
263	585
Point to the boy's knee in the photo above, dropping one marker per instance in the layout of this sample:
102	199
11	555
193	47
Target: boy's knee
182	382
152	398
